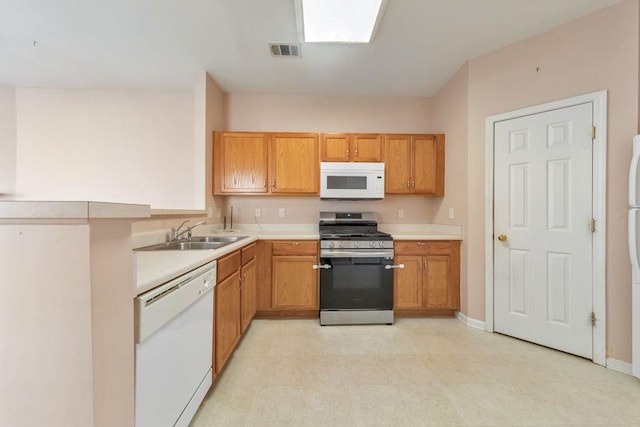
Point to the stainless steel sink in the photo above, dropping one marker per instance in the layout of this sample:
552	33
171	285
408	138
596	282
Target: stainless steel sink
184	246
196	243
223	239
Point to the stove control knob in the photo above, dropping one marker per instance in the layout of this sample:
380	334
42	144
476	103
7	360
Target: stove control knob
340	244
381	244
330	244
356	244
372	244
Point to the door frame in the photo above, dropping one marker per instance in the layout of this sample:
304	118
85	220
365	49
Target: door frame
599	100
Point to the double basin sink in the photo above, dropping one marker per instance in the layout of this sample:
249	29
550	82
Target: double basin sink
198	242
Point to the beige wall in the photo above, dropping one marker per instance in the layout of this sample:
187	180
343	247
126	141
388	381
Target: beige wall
46	326
417	210
315	113
599	51
209	115
450	117
112	321
215	121
7	140
130	146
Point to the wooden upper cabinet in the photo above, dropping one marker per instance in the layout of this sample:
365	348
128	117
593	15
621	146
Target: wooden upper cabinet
397	161
289	163
351	148
295	163
334	148
414	164
240	162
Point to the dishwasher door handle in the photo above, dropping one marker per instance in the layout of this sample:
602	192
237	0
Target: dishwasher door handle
324	266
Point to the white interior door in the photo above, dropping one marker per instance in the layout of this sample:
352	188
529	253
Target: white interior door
542	211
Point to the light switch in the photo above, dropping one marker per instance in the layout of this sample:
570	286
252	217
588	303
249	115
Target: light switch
281	212
400	213
210	212
452	213
257	213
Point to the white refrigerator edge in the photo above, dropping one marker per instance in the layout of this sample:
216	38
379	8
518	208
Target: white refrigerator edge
634	252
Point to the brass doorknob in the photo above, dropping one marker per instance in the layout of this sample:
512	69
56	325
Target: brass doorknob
502	237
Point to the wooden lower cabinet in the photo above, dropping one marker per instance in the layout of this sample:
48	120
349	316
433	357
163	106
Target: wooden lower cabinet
248	293
287	284
235	302
294	283
227	319
429	283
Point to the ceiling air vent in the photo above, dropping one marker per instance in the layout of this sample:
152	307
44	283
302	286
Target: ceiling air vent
284	50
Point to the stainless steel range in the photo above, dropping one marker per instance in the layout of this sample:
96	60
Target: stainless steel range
356	276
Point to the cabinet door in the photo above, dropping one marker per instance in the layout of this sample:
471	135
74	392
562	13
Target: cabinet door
408	282
248	293
437	290
227	314
240	160
295	163
334	148
397	164
366	148
424	164
294	283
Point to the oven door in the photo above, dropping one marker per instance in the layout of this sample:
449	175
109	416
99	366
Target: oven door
356	279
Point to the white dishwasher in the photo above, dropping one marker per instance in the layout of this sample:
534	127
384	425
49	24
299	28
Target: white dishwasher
174	345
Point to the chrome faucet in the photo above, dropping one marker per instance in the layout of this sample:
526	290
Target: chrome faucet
176	233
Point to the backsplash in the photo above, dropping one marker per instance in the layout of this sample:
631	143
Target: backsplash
414	209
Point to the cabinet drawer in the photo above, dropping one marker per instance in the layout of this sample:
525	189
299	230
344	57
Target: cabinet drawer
410	247
426	247
227	265
294	247
248	253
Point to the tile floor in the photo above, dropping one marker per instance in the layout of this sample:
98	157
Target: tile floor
432	372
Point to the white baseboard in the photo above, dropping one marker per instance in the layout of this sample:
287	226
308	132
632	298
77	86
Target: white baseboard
619	365
472	323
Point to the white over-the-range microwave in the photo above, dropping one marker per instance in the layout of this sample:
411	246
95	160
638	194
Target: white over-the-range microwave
351	181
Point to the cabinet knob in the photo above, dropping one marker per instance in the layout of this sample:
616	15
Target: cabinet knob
389	267
408	184
323	266
347	154
273	183
355	151
264	184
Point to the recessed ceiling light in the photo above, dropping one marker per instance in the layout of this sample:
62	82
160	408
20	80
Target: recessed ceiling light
339	21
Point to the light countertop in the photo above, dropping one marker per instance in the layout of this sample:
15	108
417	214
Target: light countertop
156	267
70	210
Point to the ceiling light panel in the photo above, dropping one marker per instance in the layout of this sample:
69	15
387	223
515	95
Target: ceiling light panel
340	21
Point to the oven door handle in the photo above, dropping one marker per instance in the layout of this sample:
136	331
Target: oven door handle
340	253
389	267
324	266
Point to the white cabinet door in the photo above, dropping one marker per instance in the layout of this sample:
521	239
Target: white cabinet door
543	190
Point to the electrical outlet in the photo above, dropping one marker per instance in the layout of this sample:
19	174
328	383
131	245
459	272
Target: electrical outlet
219	213
210	212
281	212
257	213
400	213
452	213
